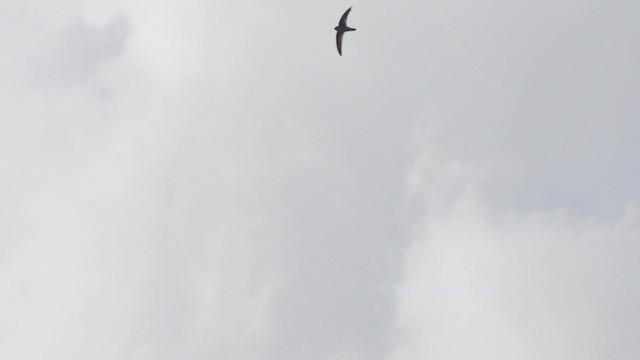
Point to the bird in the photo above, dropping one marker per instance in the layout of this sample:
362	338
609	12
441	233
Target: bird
341	29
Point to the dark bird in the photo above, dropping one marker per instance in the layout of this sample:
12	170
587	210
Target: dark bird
341	29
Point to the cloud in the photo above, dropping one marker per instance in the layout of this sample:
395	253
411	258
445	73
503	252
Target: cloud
538	95
525	180
210	179
171	197
493	284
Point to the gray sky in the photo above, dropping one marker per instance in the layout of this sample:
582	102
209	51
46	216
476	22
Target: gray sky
210	180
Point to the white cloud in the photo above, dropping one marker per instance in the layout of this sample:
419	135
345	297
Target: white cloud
210	179
500	285
526	176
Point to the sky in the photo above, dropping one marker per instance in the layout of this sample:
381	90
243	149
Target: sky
211	180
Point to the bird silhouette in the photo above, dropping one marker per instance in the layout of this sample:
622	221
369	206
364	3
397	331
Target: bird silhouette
341	29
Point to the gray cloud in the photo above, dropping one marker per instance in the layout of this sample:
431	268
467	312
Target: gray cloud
79	49
211	180
538	94
553	285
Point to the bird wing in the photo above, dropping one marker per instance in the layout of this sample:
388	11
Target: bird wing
343	19
339	41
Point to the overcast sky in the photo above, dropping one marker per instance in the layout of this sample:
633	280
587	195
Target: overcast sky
210	180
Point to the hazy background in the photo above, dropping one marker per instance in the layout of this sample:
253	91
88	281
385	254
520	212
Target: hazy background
210	180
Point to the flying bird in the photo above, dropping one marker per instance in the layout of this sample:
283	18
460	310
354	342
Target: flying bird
341	29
